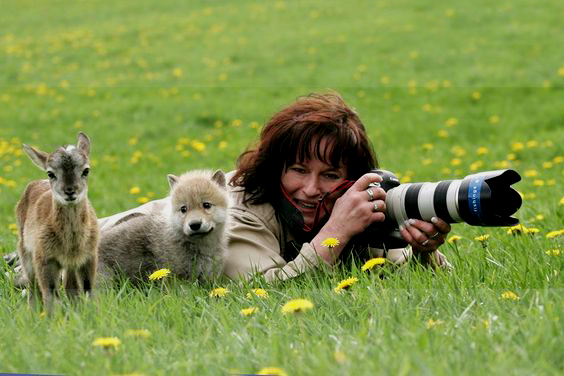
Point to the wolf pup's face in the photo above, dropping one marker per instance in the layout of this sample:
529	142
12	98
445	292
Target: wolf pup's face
199	202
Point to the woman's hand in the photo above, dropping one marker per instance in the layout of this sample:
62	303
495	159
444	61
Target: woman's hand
425	237
360	206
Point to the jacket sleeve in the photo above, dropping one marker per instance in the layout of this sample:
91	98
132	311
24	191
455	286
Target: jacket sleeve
156	207
254	248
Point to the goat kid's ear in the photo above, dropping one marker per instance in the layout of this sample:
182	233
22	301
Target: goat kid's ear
38	157
172	180
219	178
83	143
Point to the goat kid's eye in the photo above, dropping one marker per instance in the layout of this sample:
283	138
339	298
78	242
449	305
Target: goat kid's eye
51	175
183	209
207	205
85	172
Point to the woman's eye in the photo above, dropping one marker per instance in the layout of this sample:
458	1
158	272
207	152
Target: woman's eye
332	176
183	209
51	175
207	205
85	172
298	170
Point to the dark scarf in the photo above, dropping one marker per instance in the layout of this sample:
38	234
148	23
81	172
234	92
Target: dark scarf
288	211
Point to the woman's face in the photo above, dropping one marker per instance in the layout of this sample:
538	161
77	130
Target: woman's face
307	181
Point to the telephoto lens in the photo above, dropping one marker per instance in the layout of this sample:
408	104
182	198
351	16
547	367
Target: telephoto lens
482	199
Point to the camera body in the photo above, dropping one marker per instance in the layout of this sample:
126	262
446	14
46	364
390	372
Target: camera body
482	199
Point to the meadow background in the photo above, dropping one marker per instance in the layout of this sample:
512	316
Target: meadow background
444	88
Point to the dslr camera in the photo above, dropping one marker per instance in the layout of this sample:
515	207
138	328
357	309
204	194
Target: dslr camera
482	199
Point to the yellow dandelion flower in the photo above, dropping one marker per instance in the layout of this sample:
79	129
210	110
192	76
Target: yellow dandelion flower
558	159
297	305
143	200
198	145
511	156
13	228
561	71
177	72
273	371
547	165
159	274
482	150
427	146
517	229
476	95
107	342
451	122
561	201
141	333
532	144
236	123
368	265
509	295
531	173
345	284
454	238
474	166
249	311
455	162
554	234
494	119
553	252
502	164
133	141
340	357
219	292
134	190
532	230
430	324
330	242
442	133
482	238
222	145
261	293
517	146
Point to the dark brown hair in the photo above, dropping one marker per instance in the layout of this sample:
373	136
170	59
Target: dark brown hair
294	134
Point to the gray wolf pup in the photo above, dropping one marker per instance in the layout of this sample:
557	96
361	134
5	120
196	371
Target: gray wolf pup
189	237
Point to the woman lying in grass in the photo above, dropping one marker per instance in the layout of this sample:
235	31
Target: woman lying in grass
302	197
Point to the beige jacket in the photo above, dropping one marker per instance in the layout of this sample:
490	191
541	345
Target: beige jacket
259	243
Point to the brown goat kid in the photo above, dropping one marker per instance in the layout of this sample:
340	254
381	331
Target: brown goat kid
58	228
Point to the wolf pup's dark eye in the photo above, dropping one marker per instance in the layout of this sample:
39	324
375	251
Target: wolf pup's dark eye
85	172
206	205
183	209
51	175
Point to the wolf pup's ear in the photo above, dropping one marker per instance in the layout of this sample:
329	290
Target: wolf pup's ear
219	178
172	180
38	157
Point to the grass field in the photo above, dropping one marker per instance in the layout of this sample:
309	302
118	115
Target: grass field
164	87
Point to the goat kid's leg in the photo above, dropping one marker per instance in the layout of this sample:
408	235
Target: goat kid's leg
71	283
88	274
48	277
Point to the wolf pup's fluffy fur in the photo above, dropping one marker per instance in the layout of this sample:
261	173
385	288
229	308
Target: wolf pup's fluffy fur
189	238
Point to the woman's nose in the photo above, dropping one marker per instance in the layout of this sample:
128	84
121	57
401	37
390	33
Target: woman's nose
311	186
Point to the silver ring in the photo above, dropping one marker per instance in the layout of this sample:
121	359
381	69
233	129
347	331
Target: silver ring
375	209
436	235
425	243
370	194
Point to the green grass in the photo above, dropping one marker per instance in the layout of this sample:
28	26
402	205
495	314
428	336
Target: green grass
148	81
